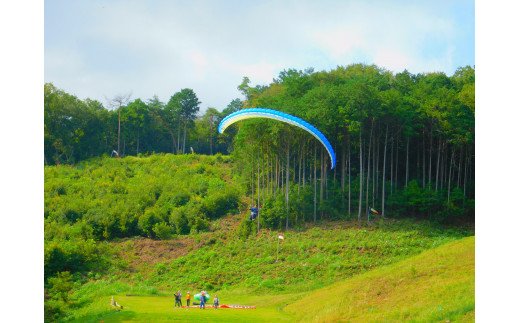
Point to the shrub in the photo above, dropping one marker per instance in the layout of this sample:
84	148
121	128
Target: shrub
246	228
162	230
221	203
179	221
273	212
147	221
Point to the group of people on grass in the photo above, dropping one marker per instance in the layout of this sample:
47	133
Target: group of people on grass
202	304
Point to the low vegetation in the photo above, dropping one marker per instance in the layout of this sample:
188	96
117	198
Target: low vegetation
146	226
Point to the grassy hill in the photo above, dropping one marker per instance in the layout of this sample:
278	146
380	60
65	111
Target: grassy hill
436	285
246	272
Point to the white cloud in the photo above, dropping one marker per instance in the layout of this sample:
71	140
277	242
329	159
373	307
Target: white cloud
161	47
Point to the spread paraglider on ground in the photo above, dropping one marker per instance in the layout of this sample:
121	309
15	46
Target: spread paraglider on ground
202	298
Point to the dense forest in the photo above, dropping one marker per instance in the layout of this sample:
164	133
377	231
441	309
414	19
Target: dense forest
405	145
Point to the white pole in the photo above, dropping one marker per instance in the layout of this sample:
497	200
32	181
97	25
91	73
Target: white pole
277	248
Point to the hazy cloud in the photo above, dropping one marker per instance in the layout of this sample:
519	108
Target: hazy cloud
101	48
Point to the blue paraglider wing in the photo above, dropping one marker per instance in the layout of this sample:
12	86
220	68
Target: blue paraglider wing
280	116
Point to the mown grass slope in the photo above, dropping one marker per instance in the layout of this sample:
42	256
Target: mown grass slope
437	285
246	272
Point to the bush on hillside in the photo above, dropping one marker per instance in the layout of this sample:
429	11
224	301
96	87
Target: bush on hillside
246	228
74	256
220	203
163	230
147	221
57	296
179	221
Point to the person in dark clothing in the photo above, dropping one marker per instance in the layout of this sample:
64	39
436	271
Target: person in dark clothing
254	213
202	300
178	301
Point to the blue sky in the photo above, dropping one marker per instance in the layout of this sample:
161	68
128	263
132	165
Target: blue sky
99	49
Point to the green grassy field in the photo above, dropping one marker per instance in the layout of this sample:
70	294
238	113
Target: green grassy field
437	285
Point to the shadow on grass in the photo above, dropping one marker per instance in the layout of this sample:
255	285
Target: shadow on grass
424	228
106	317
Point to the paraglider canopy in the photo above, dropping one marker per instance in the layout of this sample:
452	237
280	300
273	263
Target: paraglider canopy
280	116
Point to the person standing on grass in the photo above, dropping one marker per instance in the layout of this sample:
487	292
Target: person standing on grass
188	298
178	299
202	300
215	302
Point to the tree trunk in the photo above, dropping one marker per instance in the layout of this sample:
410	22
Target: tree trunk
418	168
360	175
368	169
334	176
179	137
258	193
375	156
459	168
407	150
211	142
326	175
252	185
465	171
384	171
438	165
173	142
118	131
349	181
281	176
396	173
287	174
424	161
430	164
315	186
184	139
276	173
303	169
321	183
137	150
343	174
300	157
391	165
449	175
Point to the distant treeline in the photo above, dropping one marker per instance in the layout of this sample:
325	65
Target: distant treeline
79	129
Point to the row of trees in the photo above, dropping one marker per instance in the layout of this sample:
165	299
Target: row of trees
403	141
79	129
